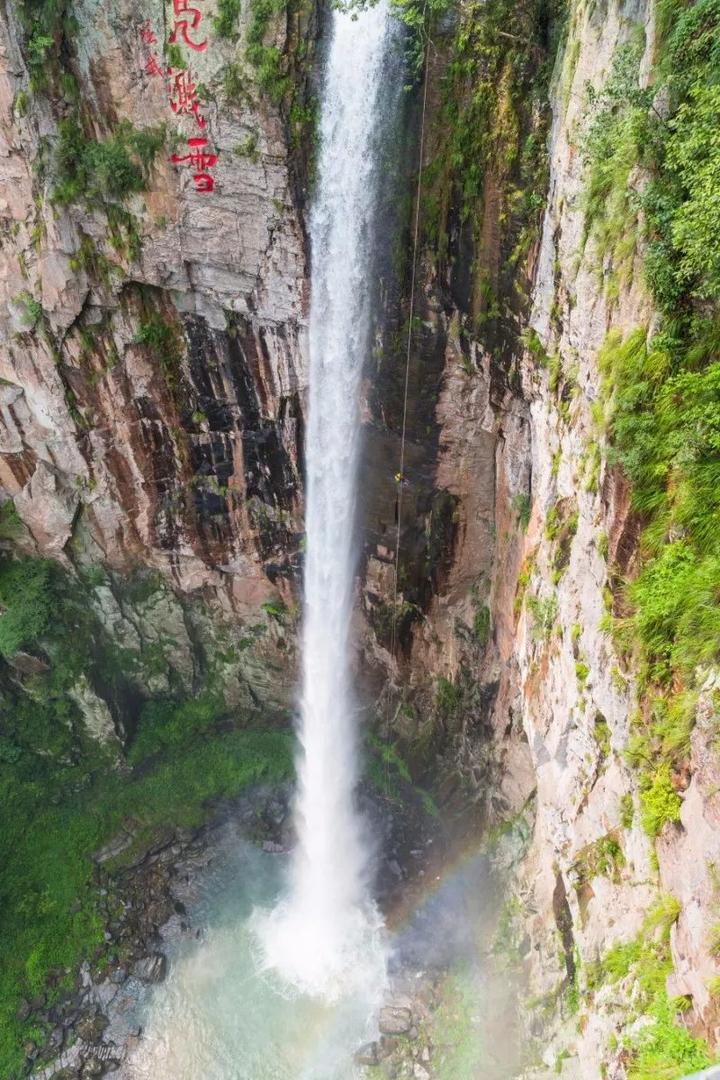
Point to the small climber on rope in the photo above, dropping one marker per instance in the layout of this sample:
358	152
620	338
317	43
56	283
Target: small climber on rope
401	480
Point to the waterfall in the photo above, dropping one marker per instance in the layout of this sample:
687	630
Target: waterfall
326	936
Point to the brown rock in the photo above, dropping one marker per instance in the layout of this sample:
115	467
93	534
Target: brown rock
151	969
395	1020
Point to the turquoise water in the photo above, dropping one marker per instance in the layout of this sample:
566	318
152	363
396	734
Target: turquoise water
218	1017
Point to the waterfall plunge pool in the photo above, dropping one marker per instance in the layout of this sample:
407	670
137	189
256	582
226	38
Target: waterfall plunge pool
217	1016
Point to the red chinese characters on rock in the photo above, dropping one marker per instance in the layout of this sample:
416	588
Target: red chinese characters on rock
183	27
152	67
183	91
201	159
147	35
183	96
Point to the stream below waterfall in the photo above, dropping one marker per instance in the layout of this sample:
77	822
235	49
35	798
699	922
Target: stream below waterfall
218	1016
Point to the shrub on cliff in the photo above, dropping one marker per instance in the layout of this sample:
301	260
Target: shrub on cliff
661	395
659	802
97	170
26	602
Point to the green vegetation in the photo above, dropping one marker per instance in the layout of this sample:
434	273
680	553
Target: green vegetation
38	46
391	776
21	102
248	147
10	522
448	697
663	420
458	1044
659	801
603	858
661	394
87	169
235	85
96	171
174	56
602	735
627	811
489	144
164	341
613	146
48	26
560	527
63	795
279	71
26	602
522	505
510	931
276	608
524	578
663	1048
267	60
32	309
544	612
481	625
535	347
392	620
666	1049
225	22
582	673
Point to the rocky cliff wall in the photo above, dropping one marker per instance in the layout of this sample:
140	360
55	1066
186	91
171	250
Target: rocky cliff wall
543	693
522	684
152	335
153	367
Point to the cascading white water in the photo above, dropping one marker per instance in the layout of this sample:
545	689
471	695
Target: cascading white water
326	937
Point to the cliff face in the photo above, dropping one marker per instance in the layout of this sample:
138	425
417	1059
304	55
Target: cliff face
152	341
548	693
152	371
577	694
593	874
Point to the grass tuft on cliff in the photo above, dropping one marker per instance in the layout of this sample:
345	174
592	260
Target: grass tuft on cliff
661	393
98	170
662	1047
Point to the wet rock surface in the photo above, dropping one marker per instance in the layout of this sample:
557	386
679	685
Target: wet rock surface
151	969
144	904
147	902
395	1019
404	1047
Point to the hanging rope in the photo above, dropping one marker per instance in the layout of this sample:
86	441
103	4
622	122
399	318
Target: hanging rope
413	278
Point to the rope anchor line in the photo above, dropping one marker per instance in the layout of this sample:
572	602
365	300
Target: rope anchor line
400	475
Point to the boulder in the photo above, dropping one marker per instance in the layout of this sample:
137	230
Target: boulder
395	1020
23	1011
92	1028
151	969
92	1067
367	1054
114	847
27	664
